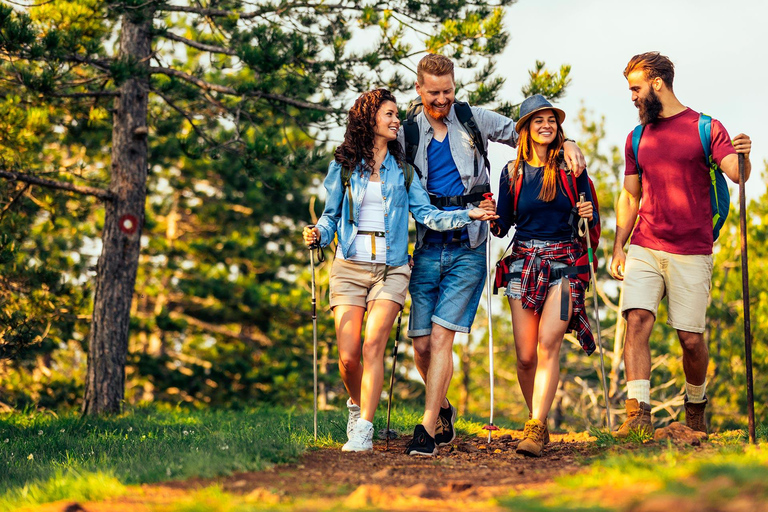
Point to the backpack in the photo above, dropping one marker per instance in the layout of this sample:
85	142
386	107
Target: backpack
346	177
465	117
581	265
719	195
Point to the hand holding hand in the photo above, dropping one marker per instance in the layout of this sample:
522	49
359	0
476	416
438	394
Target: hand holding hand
488	204
311	236
483	213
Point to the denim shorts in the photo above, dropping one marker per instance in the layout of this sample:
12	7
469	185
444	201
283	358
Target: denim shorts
514	287
446	284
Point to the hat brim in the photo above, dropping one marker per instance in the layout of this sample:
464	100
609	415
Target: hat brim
559	113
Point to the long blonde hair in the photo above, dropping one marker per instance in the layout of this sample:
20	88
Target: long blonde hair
525	152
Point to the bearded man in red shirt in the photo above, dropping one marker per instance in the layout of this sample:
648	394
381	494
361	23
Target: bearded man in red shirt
671	248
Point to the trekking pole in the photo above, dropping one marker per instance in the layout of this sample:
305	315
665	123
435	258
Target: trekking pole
490	427
745	289
583	224
392	377
320	258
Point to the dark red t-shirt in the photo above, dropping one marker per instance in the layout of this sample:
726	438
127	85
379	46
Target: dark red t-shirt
675	212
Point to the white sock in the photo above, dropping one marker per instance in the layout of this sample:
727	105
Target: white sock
361	423
695	393
639	390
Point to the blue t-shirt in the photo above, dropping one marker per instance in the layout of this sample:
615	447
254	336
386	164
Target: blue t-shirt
537	219
443	180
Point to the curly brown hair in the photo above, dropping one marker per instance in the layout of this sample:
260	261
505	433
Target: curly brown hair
358	139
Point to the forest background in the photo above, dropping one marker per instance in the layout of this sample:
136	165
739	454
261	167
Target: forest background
243	113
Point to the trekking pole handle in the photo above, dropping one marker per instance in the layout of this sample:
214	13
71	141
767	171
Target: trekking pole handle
316	243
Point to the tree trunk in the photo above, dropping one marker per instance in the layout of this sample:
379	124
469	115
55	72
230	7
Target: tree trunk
124	217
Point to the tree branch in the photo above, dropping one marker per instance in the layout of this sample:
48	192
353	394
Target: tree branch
207	86
260	340
60	185
186	116
200	46
93	94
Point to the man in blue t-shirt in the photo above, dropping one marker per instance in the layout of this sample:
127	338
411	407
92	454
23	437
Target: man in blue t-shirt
449	269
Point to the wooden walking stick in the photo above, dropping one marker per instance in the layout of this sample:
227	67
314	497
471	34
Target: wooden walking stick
745	290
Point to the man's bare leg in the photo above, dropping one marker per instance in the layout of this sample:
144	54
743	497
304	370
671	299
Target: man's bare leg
637	348
422	355
695	357
439	374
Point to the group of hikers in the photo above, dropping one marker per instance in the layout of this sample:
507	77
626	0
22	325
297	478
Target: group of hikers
436	167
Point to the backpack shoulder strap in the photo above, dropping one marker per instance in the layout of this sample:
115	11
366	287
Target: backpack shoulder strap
637	134
408	175
346	177
411	130
514	187
568	180
467	120
705	135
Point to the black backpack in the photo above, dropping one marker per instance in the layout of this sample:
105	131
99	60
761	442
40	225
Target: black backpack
346	176
467	120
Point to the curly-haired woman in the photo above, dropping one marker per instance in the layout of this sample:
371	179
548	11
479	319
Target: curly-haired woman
371	272
546	296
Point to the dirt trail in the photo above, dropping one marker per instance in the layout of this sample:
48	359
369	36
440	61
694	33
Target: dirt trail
464	476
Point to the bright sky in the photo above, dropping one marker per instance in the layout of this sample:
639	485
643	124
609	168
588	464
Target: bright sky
720	52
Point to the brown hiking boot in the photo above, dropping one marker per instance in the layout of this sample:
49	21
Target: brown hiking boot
533	442
694	415
638	419
546	428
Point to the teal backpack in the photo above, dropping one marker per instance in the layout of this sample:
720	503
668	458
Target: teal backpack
719	196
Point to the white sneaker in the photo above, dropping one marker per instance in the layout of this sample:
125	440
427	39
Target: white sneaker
361	439
354	415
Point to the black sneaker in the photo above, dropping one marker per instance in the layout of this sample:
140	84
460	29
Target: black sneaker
444	431
422	443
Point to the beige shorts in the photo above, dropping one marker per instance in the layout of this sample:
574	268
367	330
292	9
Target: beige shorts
354	283
686	279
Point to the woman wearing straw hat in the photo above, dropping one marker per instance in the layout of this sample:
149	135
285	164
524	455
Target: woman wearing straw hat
370	273
545	296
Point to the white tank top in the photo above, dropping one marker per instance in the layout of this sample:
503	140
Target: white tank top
371	219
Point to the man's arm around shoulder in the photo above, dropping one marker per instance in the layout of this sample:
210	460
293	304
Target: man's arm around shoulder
495	127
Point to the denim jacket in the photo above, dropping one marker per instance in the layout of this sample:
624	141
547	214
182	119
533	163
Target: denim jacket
397	203
468	159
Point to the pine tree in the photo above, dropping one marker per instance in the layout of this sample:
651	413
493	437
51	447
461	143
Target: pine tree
238	77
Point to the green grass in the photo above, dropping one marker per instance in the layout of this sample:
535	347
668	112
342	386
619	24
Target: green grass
46	457
43	454
630	471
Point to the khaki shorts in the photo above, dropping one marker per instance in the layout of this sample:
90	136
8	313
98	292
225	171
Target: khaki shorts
354	283
685	278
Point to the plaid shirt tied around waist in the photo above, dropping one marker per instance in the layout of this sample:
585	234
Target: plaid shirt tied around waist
535	283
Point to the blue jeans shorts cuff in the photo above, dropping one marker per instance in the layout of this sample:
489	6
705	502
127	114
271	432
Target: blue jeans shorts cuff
449	325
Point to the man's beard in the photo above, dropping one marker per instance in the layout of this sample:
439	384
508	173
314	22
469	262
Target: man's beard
436	114
649	108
